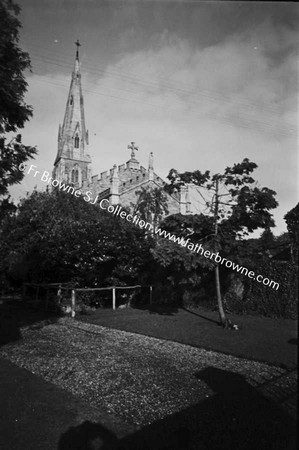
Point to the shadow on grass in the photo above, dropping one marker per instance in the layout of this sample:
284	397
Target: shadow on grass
155	308
237	416
171	311
200	315
14	314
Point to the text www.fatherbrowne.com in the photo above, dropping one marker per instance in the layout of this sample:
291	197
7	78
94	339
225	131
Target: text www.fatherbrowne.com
142	224
196	248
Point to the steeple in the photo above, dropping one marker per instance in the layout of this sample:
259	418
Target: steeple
72	135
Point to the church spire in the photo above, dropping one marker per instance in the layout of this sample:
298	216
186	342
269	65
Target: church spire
72	135
77	64
77	43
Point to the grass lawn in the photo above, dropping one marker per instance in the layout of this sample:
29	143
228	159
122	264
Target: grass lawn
269	340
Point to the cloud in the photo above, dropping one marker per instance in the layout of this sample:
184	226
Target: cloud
230	81
195	108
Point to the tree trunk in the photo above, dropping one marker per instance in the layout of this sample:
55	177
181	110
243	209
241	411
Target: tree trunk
222	316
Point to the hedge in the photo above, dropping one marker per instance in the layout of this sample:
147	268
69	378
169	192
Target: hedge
260	299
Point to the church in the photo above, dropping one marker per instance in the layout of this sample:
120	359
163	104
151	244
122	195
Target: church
121	184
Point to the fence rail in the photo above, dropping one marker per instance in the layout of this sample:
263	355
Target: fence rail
68	287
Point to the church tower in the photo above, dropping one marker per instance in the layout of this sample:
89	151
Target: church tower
72	163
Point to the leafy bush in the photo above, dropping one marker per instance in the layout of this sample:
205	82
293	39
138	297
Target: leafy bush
264	300
58	237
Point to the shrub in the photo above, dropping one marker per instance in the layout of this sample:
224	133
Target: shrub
263	300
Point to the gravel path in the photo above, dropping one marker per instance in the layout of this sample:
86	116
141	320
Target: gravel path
138	378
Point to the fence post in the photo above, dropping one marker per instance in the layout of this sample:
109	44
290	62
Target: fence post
113	298
73	303
59	294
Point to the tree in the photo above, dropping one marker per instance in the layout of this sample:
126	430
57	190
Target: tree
235	203
184	271
292	221
152	205
13	110
267	240
11	156
58	237
13	62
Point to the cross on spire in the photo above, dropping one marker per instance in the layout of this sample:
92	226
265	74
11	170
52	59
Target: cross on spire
132	147
77	43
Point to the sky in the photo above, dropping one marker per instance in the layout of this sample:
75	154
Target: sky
202	85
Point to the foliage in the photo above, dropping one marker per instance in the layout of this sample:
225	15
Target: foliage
13	110
243	207
258	299
178	268
151	205
13	62
292	220
267	239
58	237
265	248
234	205
12	155
282	249
178	271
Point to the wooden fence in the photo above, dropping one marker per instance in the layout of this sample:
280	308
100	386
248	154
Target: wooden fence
60	287
113	289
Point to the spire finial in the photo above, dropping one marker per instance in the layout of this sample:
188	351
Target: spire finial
151	161
77	43
114	172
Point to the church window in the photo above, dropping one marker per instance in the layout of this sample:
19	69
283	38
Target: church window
131	180
75	176
124	184
137	178
144	174
71	100
77	141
